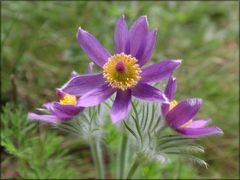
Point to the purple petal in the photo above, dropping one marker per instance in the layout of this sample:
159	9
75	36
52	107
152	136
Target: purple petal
200	132
121	106
170	91
145	55
198	123
159	71
45	118
48	105
183	112
80	85
65	112
138	36
96	96
149	93
92	47
121	35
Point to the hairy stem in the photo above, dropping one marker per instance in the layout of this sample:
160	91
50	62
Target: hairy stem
98	160
122	157
133	169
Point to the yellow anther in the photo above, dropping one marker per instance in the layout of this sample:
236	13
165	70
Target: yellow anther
68	100
121	71
186	124
173	104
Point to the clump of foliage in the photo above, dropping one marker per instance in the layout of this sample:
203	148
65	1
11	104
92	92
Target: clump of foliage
39	154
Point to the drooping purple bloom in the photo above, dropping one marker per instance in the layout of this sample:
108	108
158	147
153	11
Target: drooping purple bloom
179	116
61	111
65	109
122	72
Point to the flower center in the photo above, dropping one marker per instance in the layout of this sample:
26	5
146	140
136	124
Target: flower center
68	100
122	71
172	105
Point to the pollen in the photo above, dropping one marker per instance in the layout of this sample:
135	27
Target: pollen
121	71
68	100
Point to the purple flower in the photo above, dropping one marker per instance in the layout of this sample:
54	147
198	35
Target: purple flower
122	72
65	109
179	116
61	111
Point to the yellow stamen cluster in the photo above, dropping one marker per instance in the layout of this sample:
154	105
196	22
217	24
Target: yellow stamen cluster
122	79
172	105
68	100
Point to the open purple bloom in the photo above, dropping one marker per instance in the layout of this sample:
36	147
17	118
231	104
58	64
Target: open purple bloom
122	72
179	116
61	111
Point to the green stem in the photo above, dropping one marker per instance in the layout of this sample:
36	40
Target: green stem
98	160
122	156
133	169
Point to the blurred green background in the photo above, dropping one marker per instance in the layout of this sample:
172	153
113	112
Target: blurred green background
39	51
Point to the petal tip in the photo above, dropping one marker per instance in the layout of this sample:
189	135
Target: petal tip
122	17
208	121
179	61
219	131
154	31
115	119
199	100
73	74
30	116
195	101
144	17
80	31
173	79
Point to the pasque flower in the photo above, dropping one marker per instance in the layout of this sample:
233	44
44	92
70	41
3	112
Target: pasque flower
61	111
122	72
179	116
